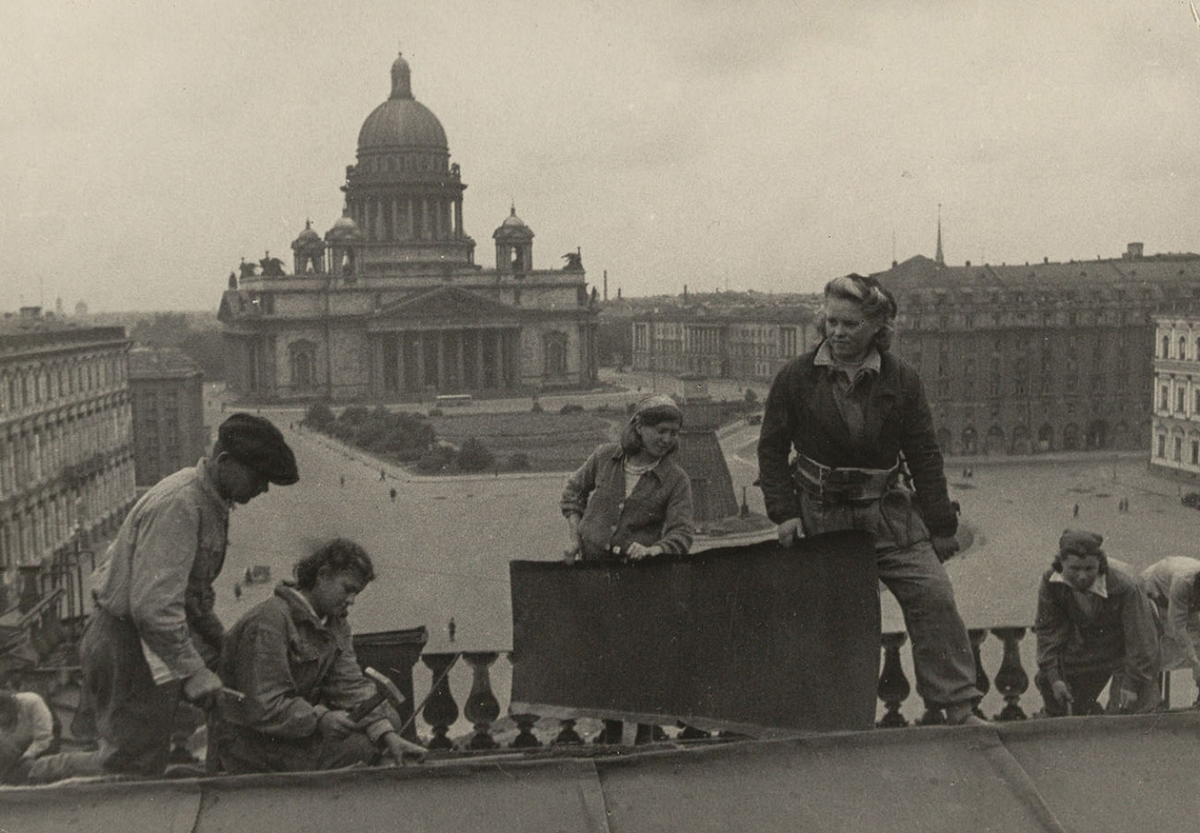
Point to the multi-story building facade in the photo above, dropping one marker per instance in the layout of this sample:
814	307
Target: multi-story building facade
390	305
748	344
1175	400
167	391
66	444
1038	357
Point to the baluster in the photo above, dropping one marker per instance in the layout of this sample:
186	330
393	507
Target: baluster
893	685
567	736
440	710
977	636
1011	679
932	716
525	738
482	708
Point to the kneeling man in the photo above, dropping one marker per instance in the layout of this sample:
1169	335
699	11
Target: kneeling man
292	658
1094	623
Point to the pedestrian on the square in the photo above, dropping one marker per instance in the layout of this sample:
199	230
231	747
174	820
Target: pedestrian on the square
153	636
1094	624
850	409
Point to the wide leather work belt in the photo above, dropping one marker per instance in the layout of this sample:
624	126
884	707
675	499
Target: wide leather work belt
842	485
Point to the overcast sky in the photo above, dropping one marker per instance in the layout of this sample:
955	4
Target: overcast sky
147	146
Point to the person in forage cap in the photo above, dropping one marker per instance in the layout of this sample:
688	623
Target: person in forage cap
1094	624
153	638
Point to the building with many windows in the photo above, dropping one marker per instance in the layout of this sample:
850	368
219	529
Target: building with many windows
1022	359
1175	438
167	391
738	343
66	445
390	304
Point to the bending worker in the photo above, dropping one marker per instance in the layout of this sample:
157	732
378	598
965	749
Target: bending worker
1173	584
1094	624
851	410
292	657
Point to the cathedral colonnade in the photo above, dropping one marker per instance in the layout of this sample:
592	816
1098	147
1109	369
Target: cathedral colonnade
446	360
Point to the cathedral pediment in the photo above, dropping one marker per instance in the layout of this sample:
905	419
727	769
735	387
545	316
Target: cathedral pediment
446	305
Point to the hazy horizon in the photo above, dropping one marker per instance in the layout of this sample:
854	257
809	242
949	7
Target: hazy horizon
766	145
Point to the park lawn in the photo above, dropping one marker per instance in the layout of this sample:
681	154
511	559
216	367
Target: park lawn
552	442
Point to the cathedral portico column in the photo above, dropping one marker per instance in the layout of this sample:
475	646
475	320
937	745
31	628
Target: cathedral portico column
411	211
458	232
480	373
400	338
441	359
420	342
376	374
461	351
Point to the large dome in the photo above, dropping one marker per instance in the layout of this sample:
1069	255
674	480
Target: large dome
402	121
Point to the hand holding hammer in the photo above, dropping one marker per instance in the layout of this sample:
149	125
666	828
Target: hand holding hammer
386	691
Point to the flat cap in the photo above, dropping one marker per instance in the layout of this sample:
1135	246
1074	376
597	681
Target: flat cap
256	442
1080	542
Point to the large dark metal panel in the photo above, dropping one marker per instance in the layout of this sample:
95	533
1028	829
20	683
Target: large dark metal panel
759	637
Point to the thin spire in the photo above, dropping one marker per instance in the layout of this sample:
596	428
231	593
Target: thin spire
939	259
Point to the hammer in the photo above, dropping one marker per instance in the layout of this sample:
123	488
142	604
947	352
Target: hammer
385	691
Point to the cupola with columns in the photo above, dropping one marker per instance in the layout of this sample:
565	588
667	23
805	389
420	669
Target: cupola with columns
403	193
514	245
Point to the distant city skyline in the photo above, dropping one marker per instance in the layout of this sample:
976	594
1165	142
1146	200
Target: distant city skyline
767	145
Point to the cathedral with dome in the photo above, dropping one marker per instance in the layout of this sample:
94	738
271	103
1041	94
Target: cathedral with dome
390	304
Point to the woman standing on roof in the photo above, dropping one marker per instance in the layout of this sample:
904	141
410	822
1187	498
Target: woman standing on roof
631	499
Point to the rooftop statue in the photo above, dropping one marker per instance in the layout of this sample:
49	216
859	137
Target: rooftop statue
574	262
272	267
247	270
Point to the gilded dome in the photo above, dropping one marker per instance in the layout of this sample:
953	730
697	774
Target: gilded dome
402	121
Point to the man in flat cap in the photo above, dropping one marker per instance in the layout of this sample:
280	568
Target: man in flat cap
153	635
1094	623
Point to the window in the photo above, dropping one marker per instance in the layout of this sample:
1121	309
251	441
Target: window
1182	347
1166	347
1163	397
1178	449
1196	452
1162	446
1180	406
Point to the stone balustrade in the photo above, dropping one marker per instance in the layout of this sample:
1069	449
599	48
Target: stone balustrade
461	689
1004	657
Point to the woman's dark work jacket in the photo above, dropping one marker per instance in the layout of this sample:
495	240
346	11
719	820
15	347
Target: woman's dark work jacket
801	413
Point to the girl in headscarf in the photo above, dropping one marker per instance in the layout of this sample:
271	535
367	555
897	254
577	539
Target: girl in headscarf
631	499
